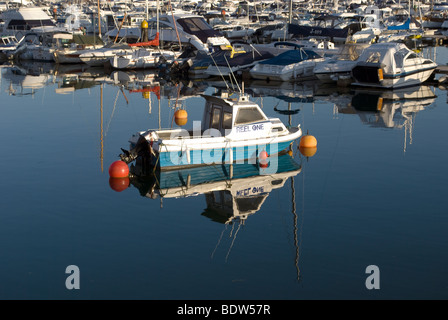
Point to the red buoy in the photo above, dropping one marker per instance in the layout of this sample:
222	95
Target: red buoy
118	169
263	155
119	184
263	164
263	159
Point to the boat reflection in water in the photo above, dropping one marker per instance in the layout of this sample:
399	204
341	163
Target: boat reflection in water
392	108
232	192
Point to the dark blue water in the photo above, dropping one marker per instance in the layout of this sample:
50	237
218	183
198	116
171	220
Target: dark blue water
374	193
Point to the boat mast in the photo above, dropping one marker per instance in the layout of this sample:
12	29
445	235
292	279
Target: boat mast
99	20
290	11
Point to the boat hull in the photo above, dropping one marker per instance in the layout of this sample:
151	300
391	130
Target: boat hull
368	76
238	155
180	153
297	71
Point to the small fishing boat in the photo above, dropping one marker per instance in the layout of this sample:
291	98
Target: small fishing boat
232	130
391	65
293	65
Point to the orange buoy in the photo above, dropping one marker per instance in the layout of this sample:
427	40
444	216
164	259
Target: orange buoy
119	169
180	117
290	153
119	184
308	151
308	141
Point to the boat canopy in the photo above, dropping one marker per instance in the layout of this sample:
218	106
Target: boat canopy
292	56
390	56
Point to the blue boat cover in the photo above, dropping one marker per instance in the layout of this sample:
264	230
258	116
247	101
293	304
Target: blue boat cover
404	26
291	56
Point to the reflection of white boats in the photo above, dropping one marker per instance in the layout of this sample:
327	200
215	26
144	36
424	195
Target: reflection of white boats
391	108
20	78
232	130
232	191
391	65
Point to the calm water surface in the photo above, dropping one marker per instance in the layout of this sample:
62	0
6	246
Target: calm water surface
375	193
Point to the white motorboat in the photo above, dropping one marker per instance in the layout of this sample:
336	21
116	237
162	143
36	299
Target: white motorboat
75	46
98	57
141	58
292	65
19	22
391	65
341	64
232	130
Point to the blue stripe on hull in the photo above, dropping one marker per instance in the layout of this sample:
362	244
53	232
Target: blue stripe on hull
207	174
247	154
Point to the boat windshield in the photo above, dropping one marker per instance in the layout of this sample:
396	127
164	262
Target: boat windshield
248	115
192	25
374	57
351	52
198	27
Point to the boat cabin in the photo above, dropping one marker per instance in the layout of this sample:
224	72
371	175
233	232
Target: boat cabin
391	56
238	118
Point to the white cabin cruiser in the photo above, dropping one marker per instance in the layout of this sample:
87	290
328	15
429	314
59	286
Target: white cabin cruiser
18	22
232	130
391	65
293	65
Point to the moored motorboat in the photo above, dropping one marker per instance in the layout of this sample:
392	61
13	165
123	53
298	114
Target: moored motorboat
391	65
297	64
232	130
341	64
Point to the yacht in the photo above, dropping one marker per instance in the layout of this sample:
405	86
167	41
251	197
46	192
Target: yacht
391	65
18	22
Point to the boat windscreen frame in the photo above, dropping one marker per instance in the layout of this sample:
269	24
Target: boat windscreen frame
199	27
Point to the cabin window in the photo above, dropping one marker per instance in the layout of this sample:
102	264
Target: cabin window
216	118
227	120
247	115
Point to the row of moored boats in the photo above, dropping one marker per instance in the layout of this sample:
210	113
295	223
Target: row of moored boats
354	45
